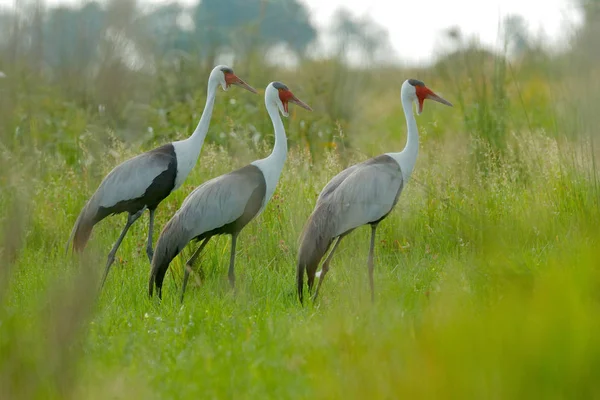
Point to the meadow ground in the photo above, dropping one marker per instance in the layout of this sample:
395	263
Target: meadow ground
487	286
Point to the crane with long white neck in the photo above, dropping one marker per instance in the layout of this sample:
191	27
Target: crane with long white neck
144	181
227	203
364	193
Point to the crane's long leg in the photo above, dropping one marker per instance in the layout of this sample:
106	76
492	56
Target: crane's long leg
149	250
232	260
325	267
370	262
190	263
131	218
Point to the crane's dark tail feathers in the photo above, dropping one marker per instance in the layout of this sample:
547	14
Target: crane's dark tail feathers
167	248
81	232
316	239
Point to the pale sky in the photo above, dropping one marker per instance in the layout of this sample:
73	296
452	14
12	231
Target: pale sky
415	26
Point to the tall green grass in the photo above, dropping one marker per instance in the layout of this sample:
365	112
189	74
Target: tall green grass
486	287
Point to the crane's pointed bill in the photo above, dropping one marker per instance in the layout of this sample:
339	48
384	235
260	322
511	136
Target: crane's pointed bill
439	99
299	102
423	92
244	85
232	79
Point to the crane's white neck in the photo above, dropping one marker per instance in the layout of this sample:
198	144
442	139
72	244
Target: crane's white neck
272	165
279	153
188	150
197	138
407	158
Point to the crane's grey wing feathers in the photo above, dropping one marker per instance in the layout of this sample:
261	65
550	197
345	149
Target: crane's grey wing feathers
366	194
130	179
335	182
220	201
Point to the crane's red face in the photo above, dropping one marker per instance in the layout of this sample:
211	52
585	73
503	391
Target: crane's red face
423	92
286	97
232	79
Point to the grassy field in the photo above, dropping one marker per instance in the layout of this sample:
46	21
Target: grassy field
487	273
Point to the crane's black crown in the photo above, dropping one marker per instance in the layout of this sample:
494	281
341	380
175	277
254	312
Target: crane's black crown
280	86
416	82
227	70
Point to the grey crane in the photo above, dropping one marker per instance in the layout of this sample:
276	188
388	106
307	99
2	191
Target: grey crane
364	193
225	204
144	181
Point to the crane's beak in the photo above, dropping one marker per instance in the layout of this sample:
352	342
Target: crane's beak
423	93
299	102
439	99
232	79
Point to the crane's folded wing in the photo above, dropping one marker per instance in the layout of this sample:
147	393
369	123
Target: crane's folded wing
218	202
366	194
131	179
335	182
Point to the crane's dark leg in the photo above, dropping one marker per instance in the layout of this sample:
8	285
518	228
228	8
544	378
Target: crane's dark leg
370	262
232	260
131	218
149	250
325	267
190	263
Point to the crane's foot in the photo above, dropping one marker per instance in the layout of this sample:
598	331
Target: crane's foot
315	295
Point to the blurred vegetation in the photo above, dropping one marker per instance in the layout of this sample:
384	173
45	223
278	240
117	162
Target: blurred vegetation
487	273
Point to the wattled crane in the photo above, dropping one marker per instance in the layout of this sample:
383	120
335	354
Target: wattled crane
364	193
225	204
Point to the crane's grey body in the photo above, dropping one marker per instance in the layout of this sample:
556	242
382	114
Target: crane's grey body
223	205
362	194
133	186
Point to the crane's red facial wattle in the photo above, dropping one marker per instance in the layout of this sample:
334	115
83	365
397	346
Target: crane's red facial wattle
232	79
287	96
422	93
